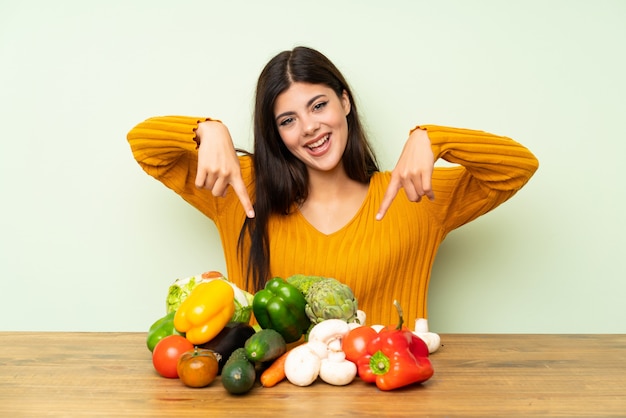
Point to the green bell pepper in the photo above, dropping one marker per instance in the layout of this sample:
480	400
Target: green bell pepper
161	329
280	306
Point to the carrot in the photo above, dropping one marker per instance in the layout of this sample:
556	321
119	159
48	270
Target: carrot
275	373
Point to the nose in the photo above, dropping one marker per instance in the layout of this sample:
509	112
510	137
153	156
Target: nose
310	126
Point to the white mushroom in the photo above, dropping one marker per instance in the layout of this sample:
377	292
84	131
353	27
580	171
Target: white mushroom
302	365
321	356
432	340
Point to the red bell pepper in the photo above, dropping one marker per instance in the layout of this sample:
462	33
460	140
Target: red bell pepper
395	358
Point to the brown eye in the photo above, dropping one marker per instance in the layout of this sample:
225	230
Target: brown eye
320	105
285	121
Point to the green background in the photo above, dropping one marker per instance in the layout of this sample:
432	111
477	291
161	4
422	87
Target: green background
91	243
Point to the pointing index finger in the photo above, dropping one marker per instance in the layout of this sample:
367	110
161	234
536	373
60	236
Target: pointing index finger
240	189
390	194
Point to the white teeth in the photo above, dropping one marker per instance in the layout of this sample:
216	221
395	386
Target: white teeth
318	143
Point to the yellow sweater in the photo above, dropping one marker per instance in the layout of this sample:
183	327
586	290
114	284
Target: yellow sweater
380	260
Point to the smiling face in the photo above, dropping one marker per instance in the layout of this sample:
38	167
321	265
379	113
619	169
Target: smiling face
311	121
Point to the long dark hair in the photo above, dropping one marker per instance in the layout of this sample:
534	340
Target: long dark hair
281	180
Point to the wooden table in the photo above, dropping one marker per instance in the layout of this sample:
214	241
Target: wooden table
111	374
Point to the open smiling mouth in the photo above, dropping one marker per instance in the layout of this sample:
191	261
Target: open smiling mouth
313	146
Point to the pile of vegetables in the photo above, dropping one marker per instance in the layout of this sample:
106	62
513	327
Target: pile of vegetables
306	329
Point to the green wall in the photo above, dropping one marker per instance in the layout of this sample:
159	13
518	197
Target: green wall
89	242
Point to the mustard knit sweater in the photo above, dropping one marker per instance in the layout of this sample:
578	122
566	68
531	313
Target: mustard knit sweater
380	260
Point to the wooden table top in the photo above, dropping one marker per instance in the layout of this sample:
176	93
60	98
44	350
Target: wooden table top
111	374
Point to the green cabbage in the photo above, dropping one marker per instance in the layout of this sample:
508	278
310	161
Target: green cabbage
181	288
179	291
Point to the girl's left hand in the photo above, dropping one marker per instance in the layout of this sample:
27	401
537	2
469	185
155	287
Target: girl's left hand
413	172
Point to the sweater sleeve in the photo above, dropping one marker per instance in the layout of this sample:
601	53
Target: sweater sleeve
489	170
166	149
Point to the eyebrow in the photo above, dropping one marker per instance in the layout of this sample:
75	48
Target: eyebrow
309	103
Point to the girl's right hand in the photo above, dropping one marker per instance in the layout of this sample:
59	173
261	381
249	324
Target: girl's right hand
218	164
413	172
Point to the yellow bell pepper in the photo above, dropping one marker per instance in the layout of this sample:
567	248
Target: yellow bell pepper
206	311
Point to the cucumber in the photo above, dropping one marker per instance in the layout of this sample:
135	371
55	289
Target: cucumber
237	355
265	345
238	373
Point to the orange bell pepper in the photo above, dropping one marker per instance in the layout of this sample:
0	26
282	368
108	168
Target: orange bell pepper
206	311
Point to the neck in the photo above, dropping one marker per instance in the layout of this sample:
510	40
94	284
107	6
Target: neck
333	200
328	184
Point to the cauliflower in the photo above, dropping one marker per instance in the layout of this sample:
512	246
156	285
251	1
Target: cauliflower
328	298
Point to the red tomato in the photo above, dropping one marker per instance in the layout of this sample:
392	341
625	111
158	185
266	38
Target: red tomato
167	352
355	343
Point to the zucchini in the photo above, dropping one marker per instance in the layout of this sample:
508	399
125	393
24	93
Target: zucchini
238	373
265	345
